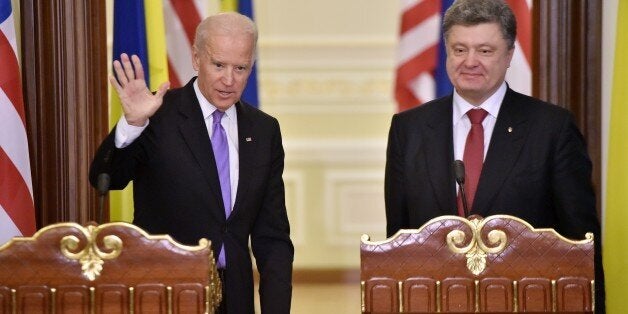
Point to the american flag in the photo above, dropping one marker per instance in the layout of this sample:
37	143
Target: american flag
421	74
17	212
181	19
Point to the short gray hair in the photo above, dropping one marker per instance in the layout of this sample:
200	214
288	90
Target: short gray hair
474	12
227	23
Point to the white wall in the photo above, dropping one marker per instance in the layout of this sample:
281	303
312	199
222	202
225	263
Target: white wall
326	71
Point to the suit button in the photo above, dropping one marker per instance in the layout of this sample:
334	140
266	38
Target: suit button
224	229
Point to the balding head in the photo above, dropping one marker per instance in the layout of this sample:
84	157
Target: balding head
225	24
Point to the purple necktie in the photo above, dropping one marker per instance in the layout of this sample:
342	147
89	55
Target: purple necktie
221	154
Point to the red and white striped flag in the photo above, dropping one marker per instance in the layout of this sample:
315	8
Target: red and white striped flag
17	212
421	74
181	19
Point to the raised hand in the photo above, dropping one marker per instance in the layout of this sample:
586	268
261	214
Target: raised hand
138	103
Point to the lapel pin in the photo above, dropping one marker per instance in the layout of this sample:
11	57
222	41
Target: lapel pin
509	129
248	139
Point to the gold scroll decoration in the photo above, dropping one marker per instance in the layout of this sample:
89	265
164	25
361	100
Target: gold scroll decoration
476	251
91	256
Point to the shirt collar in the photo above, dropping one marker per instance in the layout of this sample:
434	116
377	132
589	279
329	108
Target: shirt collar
207	108
492	104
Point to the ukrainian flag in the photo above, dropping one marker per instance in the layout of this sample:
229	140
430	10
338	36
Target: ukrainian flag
138	28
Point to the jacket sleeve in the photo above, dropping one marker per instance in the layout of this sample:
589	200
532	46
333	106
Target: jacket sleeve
270	238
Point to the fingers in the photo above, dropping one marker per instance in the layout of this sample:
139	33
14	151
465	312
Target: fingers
127	69
117	68
139	70
115	84
162	89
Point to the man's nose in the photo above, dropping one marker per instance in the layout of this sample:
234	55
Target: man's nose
228	77
471	59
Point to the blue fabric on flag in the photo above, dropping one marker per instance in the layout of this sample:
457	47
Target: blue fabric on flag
443	85
5	10
129	32
250	94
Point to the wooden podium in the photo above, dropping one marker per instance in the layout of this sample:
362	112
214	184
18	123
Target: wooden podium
494	264
111	268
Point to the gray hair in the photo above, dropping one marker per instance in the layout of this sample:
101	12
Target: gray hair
227	23
474	12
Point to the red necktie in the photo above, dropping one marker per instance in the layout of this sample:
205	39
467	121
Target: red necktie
473	157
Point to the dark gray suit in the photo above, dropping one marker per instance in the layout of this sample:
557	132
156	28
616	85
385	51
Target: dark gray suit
177	192
536	168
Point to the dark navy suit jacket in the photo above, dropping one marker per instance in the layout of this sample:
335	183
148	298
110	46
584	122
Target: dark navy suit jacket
177	192
536	168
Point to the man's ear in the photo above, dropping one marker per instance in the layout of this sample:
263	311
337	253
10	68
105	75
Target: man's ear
195	60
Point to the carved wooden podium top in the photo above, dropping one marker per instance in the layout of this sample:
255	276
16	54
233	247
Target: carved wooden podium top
111	268
494	264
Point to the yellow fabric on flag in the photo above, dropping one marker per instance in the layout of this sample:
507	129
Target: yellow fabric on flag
156	39
229	5
615	238
121	202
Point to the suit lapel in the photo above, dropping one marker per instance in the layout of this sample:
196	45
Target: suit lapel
247	144
439	154
194	132
506	143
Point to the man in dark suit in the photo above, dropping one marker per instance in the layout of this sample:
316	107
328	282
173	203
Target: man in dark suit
533	162
206	165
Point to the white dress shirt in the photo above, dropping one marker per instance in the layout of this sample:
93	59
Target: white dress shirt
462	124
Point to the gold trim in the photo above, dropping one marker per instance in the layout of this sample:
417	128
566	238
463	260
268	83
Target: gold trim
515	296
477	296
593	296
169	299
215	286
363	295
13	301
438	296
554	294
208	309
53	293
476	251
91	257
588	237
400	295
92	300
131	300
202	243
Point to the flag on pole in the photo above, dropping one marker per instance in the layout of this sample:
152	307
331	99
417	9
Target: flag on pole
138	28
17	210
615	246
421	55
181	19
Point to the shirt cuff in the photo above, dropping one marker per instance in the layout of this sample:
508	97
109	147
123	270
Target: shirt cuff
126	133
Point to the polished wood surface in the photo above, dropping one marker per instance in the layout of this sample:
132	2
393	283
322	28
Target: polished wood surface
493	264
64	64
111	268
